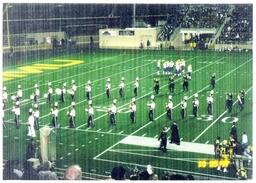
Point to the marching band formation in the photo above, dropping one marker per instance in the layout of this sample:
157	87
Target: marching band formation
173	70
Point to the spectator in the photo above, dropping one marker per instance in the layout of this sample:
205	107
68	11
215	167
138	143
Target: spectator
29	172
46	174
73	172
244	141
147	174
118	173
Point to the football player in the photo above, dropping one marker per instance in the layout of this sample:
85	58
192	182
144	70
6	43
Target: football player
241	99
229	102
136	86
151	105
112	113
183	106
223	154
72	115
88	90
90	110
50	92
210	103
36	114
195	105
55	112
133	110
121	88
108	87
169	107
5	97
156	85
217	148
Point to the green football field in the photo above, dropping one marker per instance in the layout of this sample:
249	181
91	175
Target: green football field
97	150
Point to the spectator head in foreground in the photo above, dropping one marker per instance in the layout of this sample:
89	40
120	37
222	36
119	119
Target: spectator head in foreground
118	173
73	173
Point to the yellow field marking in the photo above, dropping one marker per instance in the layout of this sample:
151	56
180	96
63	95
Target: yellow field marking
24	71
70	62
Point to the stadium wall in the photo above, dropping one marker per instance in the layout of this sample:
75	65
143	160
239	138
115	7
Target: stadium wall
128	38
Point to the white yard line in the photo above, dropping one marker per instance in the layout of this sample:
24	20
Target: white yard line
216	120
165	113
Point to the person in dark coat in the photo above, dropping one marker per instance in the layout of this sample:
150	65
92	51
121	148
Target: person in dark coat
233	131
175	137
31	149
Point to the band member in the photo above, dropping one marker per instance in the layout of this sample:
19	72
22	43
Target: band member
185	83
156	85
19	93
183	106
195	105
88	90
189	71
63	92
163	139
210	103
169	108
213	81
36	114
36	94
241	99
108	88
136	86
73	90
229	102
133	110
151	106
5	97
112	113
16	111
90	111
50	92
72	115
171	84
121	88
55	112
31	124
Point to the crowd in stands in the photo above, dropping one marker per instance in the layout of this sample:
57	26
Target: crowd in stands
239	28
174	19
195	16
203	16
